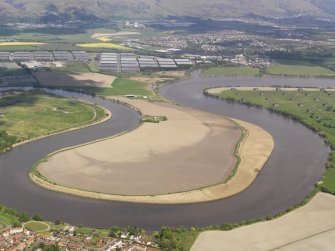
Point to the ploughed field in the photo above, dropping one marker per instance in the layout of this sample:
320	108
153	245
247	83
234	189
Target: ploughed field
315	109
25	115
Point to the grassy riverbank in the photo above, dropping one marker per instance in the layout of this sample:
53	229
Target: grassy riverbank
316	109
28	115
279	68
232	71
296	68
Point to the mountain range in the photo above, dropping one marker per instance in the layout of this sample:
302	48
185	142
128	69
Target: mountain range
154	9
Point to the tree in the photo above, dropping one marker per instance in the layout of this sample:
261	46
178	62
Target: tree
51	248
37	217
115	231
24	217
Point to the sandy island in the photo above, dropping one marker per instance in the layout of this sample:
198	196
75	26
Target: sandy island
311	227
192	152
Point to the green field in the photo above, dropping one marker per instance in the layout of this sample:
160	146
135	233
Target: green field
315	109
65	39
7	219
296	68
28	115
123	86
37	226
232	71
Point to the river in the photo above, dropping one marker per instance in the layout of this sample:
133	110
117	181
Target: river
297	163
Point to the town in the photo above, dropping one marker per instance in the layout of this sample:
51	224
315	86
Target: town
67	238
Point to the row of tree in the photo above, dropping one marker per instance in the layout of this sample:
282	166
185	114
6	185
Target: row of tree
6	141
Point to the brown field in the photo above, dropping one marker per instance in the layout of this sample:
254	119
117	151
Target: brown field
163	158
311	227
74	79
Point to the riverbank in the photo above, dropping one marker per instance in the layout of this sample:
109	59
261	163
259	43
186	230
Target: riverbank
202	131
313	108
48	115
218	90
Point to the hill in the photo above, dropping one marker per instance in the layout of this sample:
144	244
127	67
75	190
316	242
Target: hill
152	9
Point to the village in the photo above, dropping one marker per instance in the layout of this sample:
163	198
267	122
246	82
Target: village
67	238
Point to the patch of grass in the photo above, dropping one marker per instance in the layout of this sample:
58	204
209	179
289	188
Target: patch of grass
84	230
232	71
329	179
121	87
36	226
101	233
153	119
296	68
176	238
7	219
315	109
187	239
32	114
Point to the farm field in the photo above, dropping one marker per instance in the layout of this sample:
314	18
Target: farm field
231	71
64	39
32	114
307	228
50	35
19	43
292	68
313	108
104	45
105	36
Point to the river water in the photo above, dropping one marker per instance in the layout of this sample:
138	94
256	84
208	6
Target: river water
296	164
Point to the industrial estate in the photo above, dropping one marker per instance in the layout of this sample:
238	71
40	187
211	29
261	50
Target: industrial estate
137	126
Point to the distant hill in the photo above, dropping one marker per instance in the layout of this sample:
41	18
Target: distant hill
151	9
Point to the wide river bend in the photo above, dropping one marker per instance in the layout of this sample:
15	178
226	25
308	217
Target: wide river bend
296	164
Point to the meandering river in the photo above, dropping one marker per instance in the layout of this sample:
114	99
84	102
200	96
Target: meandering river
297	163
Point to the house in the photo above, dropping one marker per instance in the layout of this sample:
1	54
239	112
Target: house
15	231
